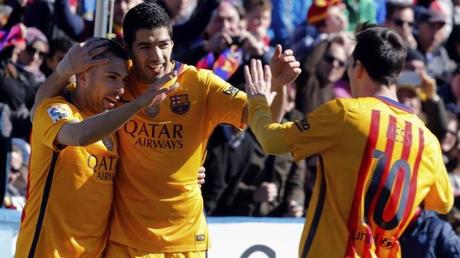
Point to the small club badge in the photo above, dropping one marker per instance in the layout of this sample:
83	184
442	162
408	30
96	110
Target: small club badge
152	111
180	104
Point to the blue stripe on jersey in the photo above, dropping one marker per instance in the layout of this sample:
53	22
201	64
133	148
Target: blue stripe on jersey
41	215
395	103
318	211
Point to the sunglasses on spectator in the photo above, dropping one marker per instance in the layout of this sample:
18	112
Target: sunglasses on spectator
401	23
31	50
330	59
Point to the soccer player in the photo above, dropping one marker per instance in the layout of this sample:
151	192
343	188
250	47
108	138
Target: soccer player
377	160
75	156
158	208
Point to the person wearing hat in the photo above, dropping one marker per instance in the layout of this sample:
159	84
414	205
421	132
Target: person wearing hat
430	36
324	18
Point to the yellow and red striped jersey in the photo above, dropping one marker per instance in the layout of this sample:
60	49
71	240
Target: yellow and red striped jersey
377	163
69	190
158	205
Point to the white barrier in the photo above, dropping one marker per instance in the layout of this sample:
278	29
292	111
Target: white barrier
9	226
245	237
231	237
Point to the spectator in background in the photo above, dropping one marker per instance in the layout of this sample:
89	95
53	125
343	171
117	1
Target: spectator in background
453	44
188	23
429	236
179	10
400	17
451	93
286	17
258	20
324	18
121	7
5	12
360	11
18	83
451	149
26	73
38	43
417	90
57	49
5	148
226	45
325	65
430	37
243	181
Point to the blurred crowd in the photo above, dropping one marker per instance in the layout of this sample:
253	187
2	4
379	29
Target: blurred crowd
241	180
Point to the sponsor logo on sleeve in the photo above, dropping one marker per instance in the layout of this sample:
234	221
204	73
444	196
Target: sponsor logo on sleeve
58	113
231	91
303	124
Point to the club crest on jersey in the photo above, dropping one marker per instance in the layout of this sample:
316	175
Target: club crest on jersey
387	242
152	111
180	104
57	113
108	143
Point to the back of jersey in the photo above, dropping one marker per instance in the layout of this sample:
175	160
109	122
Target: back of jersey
401	167
377	163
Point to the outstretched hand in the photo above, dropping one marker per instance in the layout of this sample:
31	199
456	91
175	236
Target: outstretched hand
284	67
155	94
80	56
258	80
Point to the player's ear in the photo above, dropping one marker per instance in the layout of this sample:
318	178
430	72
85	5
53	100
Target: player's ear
81	77
359	68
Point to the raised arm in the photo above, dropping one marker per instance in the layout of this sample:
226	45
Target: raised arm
78	59
258	89
99	126
284	70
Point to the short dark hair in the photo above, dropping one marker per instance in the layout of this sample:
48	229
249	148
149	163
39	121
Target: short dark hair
113	49
382	52
144	16
60	44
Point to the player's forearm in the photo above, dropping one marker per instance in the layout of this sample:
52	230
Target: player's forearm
277	108
97	127
269	134
278	105
51	87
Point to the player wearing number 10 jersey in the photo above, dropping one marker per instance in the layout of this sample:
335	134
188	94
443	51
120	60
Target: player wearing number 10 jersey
377	161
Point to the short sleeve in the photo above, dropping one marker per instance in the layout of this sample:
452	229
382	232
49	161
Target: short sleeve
225	103
49	118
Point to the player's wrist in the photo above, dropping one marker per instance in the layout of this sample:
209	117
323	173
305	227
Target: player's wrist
64	68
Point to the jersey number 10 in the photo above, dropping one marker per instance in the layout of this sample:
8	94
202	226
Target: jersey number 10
387	192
